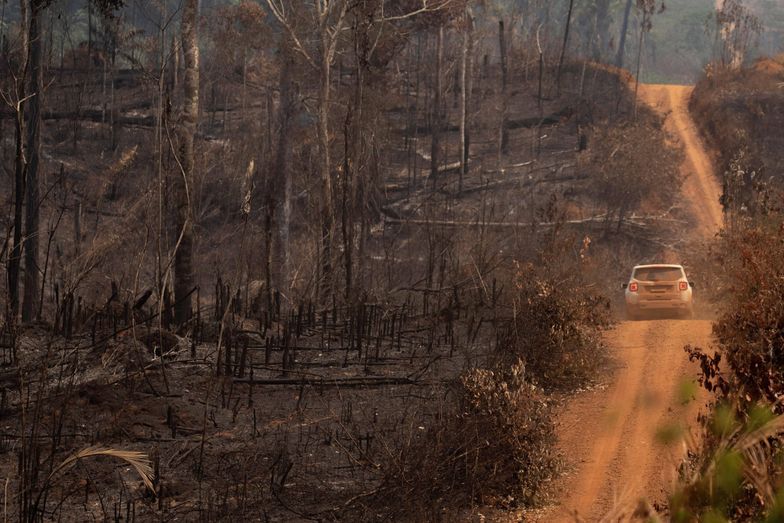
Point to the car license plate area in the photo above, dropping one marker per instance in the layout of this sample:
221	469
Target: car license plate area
659	289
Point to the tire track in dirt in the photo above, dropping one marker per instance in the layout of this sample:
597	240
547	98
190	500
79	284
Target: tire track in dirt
609	435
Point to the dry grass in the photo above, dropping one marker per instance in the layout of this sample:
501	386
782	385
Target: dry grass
137	460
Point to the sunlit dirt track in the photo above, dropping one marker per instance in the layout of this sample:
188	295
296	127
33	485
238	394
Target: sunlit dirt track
609	436
701	189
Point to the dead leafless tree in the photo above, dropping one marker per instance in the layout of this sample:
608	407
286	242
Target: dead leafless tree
183	260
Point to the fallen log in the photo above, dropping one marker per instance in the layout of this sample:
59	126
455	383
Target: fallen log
519	181
521	123
92	115
593	222
366	381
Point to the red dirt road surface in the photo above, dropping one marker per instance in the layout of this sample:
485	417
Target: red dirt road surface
609	435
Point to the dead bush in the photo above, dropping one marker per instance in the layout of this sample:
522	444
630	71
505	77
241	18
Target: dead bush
743	110
492	443
738	469
749	332
631	164
556	329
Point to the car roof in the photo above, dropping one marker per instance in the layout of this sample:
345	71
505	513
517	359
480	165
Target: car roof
659	265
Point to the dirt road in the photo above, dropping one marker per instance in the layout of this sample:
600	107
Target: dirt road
610	434
701	189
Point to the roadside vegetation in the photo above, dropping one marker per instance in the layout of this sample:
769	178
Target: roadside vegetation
735	473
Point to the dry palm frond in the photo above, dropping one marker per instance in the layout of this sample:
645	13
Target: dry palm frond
746	444
760	436
758	474
755	449
138	460
627	510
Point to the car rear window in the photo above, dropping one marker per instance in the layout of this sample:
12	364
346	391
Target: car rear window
658	273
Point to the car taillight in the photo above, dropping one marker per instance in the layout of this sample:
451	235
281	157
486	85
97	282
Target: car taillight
684	286
633	286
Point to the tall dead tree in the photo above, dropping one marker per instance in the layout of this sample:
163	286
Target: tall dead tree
32	208
351	201
647	7
437	110
2	22
330	18
624	30
466	87
183	184
19	103
328	47
563	47
737	27
503	136
283	190
601	39
330	21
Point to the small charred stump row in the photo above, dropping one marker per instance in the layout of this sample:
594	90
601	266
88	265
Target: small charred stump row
7	347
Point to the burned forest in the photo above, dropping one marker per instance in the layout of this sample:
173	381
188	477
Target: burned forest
361	260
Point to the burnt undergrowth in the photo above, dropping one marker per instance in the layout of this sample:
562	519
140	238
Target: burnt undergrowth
423	387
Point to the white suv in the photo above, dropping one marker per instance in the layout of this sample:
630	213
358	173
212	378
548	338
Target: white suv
658	288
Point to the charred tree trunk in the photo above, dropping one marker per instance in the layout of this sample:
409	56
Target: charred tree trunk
2	25
503	131
325	167
345	215
112	97
414	127
77	223
624	30
352	166
466	74
435	144
175	68
563	47
183	186
282	216
541	72
32	210
601	39
15	258
643	29
269	237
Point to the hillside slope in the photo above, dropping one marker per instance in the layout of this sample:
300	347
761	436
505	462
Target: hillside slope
743	112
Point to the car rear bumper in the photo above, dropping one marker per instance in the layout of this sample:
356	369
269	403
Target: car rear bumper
659	305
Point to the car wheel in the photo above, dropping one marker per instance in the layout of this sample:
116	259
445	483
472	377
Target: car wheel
632	315
688	314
